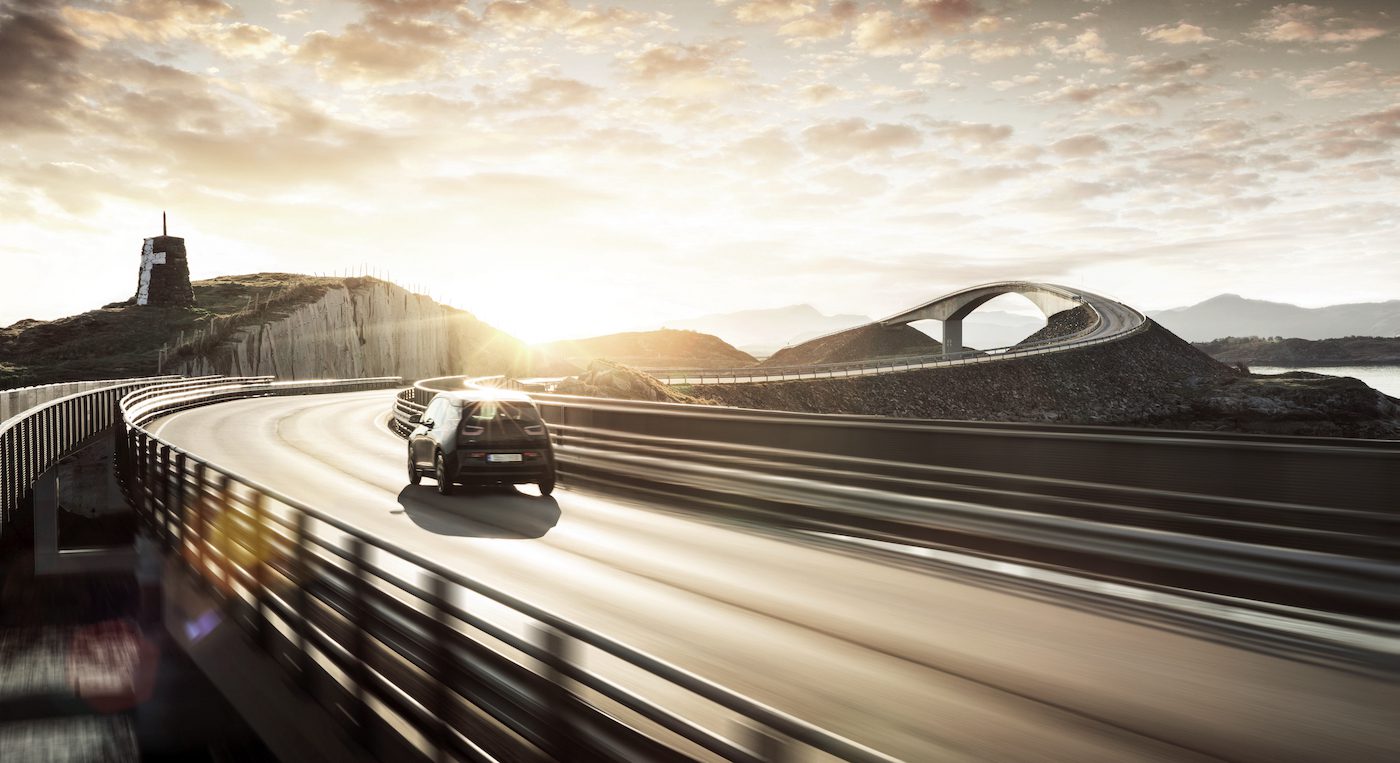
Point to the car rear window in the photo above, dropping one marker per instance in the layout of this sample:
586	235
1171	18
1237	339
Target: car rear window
495	411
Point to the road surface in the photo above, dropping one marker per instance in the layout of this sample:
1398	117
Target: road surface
918	665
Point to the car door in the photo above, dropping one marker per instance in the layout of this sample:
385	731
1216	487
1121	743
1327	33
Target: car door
421	440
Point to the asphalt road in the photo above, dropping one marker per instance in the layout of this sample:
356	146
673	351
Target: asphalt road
920	666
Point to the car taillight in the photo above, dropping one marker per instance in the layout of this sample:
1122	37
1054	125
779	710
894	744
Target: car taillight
477	454
471	431
535	429
530	454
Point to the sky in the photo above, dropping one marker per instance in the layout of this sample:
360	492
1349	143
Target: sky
564	168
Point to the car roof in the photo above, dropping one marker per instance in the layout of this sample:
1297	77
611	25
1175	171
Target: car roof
485	393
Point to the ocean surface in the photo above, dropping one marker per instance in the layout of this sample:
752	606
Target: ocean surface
1384	378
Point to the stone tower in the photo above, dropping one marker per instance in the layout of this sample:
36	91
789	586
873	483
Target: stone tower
165	273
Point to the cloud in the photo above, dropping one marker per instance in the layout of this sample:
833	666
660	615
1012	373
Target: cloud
763	11
1300	23
855	137
887	33
38	68
1088	46
388	45
149	20
977	134
1080	146
1181	34
1351	78
815	27
696	69
561	17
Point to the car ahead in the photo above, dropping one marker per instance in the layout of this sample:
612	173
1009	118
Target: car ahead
481	437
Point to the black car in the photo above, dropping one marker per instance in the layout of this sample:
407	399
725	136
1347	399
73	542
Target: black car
479	437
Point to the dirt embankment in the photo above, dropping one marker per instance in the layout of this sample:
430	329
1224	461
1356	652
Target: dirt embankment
1151	379
862	343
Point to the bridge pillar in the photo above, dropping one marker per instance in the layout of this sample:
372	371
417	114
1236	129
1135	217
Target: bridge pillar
952	336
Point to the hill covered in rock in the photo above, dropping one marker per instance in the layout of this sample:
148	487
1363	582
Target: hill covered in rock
280	324
614	380
665	348
869	342
1150	379
1276	351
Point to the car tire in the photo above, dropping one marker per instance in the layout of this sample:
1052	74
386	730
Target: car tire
414	476
547	484
444	483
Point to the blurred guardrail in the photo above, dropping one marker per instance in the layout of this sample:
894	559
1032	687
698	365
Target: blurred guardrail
1085	337
1307	522
407	647
40	425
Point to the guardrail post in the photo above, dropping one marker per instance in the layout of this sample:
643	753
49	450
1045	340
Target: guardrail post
181	500
557	697
261	624
444	673
165	535
302	599
359	642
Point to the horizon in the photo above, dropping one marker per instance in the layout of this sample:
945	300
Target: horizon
620	159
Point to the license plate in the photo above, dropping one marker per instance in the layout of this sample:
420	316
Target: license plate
499	457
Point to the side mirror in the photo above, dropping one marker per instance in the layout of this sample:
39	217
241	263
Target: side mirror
416	418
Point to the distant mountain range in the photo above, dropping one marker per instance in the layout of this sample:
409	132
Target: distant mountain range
763	332
1232	315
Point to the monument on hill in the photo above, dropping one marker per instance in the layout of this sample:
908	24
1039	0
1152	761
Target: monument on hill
165	273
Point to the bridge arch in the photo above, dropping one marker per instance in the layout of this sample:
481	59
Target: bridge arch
951	309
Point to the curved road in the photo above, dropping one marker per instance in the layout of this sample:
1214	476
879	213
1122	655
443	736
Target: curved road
917	665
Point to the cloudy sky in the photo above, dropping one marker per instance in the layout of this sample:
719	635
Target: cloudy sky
569	167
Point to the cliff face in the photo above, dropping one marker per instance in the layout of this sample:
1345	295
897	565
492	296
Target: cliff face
369	329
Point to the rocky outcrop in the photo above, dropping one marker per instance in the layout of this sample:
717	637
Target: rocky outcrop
1276	351
1150	379
856	345
607	379
1063	324
361	329
665	348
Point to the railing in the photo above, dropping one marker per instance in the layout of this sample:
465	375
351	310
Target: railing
427	662
889	365
16	401
1306	522
47	423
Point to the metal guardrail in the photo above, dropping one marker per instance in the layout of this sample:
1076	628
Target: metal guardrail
906	363
381	631
1309	522
58	417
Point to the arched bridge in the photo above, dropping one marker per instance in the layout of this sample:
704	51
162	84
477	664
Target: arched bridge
1110	320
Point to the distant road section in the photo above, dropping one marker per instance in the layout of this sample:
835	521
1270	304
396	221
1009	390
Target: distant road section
1114	320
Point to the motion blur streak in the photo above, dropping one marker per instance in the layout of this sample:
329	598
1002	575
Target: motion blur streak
921	666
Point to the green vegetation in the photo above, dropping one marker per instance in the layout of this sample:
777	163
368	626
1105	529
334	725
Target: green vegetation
122	339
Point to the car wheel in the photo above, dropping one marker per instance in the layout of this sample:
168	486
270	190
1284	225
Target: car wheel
414	476
440	471
547	484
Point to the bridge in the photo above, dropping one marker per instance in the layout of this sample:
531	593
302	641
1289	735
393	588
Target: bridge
715	583
1109	321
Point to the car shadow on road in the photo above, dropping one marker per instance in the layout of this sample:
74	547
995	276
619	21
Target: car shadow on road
480	512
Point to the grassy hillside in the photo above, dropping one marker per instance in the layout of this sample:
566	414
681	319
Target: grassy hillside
666	348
